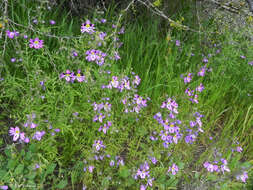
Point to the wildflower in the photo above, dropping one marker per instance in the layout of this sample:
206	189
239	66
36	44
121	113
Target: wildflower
188	78
116	56
242	56
52	22
87	27
102	35
243	177
91	168
35	21
13	60
202	71
177	42
37	166
143	187
208	166
239	149
4	187
112	163
98	144
36	43
173	169
205	60
12	34
153	160
15	132
200	88
122	30
251	63
91	55
38	135
99	117
79	77
114	82
103	21
137	80
107	107
104	128
74	54
68	75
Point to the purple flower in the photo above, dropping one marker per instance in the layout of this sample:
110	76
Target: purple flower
205	60
188	78
79	77
202	71
74	53
103	20
68	75
91	168
13	60
98	144
112	163
87	27
116	56
52	22
15	132
239	149
153	160
200	88
91	55
38	135
137	80
208	166
177	42
102	35
12	34
36	43
243	177
251	63
242	56
4	187
173	169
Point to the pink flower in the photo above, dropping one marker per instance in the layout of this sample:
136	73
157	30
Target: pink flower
173	169
36	43
15	132
87	27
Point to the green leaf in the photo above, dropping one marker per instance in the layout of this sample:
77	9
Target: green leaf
2	173
62	184
11	164
19	169
124	172
32	148
50	168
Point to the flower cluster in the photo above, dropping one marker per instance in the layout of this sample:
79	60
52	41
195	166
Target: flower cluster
188	78
12	34
134	104
17	134
96	56
102	111
71	77
36	43
242	177
217	166
143	173
123	83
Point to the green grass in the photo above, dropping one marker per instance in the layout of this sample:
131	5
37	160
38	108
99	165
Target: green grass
226	103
